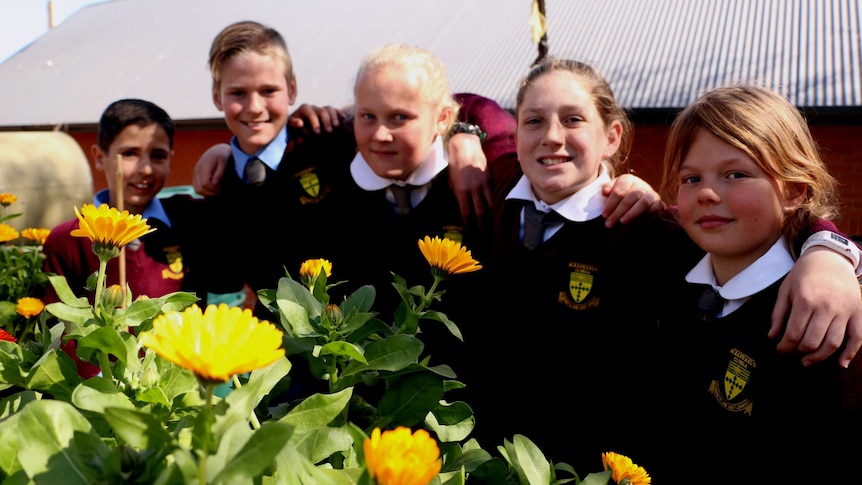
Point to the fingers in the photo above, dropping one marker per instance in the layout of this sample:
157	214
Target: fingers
853	343
315	117
628	197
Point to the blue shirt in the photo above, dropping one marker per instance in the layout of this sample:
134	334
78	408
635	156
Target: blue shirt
270	155
154	210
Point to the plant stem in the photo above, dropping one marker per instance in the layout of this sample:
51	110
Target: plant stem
255	423
202	463
105	365
100	284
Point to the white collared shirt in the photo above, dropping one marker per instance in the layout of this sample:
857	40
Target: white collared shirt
433	164
759	275
584	205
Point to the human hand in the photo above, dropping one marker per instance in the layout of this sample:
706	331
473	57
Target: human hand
315	117
468	177
209	169
628	197
822	296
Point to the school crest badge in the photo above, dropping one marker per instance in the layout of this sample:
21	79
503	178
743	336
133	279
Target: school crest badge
737	376
310	183
580	284
175	270
579	295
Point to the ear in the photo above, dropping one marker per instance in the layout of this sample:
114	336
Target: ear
217	99
98	158
444	120
615	136
291	92
794	195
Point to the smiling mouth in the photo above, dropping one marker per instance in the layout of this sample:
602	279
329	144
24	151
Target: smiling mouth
553	161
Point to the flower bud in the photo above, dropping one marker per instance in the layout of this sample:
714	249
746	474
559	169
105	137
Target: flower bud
114	296
333	313
150	377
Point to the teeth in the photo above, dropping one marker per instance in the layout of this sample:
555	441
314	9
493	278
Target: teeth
552	161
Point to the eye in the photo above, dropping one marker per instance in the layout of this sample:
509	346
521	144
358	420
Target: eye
572	120
367	116
532	121
159	155
689	179
130	153
737	175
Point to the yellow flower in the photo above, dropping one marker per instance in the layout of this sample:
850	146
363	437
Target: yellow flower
397	457
114	296
7	199
7	233
29	307
106	226
37	235
624	469
4	335
311	268
217	344
448	256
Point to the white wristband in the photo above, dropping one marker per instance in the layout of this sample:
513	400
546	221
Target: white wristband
835	242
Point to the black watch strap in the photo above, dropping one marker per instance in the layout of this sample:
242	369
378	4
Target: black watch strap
462	127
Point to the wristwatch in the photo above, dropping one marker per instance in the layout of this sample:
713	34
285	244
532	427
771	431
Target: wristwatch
470	128
835	242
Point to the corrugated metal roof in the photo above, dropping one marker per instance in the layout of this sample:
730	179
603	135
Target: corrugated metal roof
655	53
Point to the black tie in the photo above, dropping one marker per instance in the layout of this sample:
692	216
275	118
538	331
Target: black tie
255	171
401	193
535	224
711	304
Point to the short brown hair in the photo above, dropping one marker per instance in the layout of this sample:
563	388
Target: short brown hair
243	37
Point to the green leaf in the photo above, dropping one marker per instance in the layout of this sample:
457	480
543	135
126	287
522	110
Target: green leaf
345	349
137	312
528	460
322	442
97	395
10	442
258	453
391	354
122	345
54	374
360	300
51	450
71	314
317	410
291	290
408	400
11	359
598	478
294	318
441	317
66	295
139	429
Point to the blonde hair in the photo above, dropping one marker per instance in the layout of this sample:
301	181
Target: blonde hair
245	37
769	130
420	63
603	98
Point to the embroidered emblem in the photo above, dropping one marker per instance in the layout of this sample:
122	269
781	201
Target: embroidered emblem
579	295
310	183
175	264
453	233
580	284
736	376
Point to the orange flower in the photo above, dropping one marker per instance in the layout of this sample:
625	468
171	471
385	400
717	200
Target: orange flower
623	469
7	233
29	307
397	457
7	199
4	335
448	256
37	235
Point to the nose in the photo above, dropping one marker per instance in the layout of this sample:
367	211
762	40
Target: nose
255	103
554	133
145	165
381	133
707	194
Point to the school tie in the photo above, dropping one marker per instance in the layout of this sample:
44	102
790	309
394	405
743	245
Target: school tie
401	193
255	171
710	305
536	223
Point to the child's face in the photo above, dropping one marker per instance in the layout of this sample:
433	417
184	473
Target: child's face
394	125
146	160
728	205
255	97
561	137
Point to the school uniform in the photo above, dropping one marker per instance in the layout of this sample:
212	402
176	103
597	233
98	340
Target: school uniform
158	263
728	406
569	323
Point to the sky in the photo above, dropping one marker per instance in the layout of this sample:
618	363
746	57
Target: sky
23	21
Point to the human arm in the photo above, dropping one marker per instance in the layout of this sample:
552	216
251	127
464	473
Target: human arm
820	299
628	197
470	156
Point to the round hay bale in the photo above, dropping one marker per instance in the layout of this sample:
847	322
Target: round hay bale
49	174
